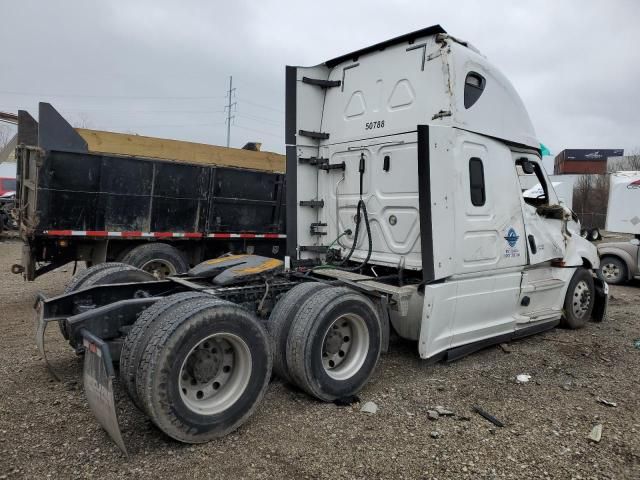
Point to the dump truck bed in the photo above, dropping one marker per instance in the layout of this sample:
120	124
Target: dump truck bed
89	184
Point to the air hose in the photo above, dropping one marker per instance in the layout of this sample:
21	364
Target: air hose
361	212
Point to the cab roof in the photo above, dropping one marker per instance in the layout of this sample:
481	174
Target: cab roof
407	37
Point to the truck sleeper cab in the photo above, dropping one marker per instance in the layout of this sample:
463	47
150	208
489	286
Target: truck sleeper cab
406	163
436	144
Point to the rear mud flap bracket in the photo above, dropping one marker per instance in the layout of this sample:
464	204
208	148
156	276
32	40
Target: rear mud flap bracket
41	327
97	377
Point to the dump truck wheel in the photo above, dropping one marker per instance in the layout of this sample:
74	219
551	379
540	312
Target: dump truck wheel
159	259
334	343
80	277
103	274
136	340
205	369
279	323
613	270
578	303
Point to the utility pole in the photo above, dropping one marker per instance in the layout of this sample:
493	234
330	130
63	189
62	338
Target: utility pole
228	108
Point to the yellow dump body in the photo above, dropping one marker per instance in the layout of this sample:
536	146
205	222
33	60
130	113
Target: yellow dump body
179	151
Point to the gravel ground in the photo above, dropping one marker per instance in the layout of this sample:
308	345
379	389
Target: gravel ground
47	430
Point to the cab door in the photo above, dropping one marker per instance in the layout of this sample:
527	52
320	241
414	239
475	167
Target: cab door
544	232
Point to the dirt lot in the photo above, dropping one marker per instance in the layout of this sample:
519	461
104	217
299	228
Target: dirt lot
47	430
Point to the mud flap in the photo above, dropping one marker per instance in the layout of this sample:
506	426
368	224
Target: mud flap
601	303
97	376
41	327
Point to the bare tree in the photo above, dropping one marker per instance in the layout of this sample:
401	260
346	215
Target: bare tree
83	121
5	136
590	198
628	162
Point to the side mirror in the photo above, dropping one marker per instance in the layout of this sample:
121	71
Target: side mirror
527	167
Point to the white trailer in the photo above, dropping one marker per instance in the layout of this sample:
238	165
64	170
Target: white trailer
406	163
621	260
623	210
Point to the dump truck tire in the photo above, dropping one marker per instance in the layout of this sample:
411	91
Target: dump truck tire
334	343
138	337
80	277
159	259
204	370
102	274
280	320
579	300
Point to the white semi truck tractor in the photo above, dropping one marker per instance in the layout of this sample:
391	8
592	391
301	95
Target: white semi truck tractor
406	163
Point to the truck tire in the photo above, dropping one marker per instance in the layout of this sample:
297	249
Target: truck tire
205	369
579	300
80	277
159	259
279	323
103	274
334	343
613	270
136	340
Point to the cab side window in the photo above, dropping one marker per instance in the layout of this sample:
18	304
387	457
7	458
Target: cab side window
476	182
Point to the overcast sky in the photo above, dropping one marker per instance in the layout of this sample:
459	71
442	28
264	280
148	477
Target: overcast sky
161	68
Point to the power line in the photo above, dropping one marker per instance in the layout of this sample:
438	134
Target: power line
128	97
257	118
258	131
81	110
260	105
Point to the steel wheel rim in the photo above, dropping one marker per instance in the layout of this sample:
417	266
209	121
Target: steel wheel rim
581	299
159	268
345	346
215	373
611	271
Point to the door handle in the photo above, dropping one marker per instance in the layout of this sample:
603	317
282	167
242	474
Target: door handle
532	244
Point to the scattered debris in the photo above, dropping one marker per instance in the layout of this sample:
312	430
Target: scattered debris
596	433
463	418
487	416
523	378
370	408
432	415
443	412
435	434
505	348
606	402
347	401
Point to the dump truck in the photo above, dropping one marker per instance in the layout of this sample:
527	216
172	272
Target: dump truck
406	162
621	260
157	204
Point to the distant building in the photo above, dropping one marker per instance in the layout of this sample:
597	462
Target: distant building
584	161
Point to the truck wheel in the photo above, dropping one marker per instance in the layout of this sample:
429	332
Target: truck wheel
578	303
138	337
613	270
279	323
159	259
205	369
79	278
103	274
334	343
